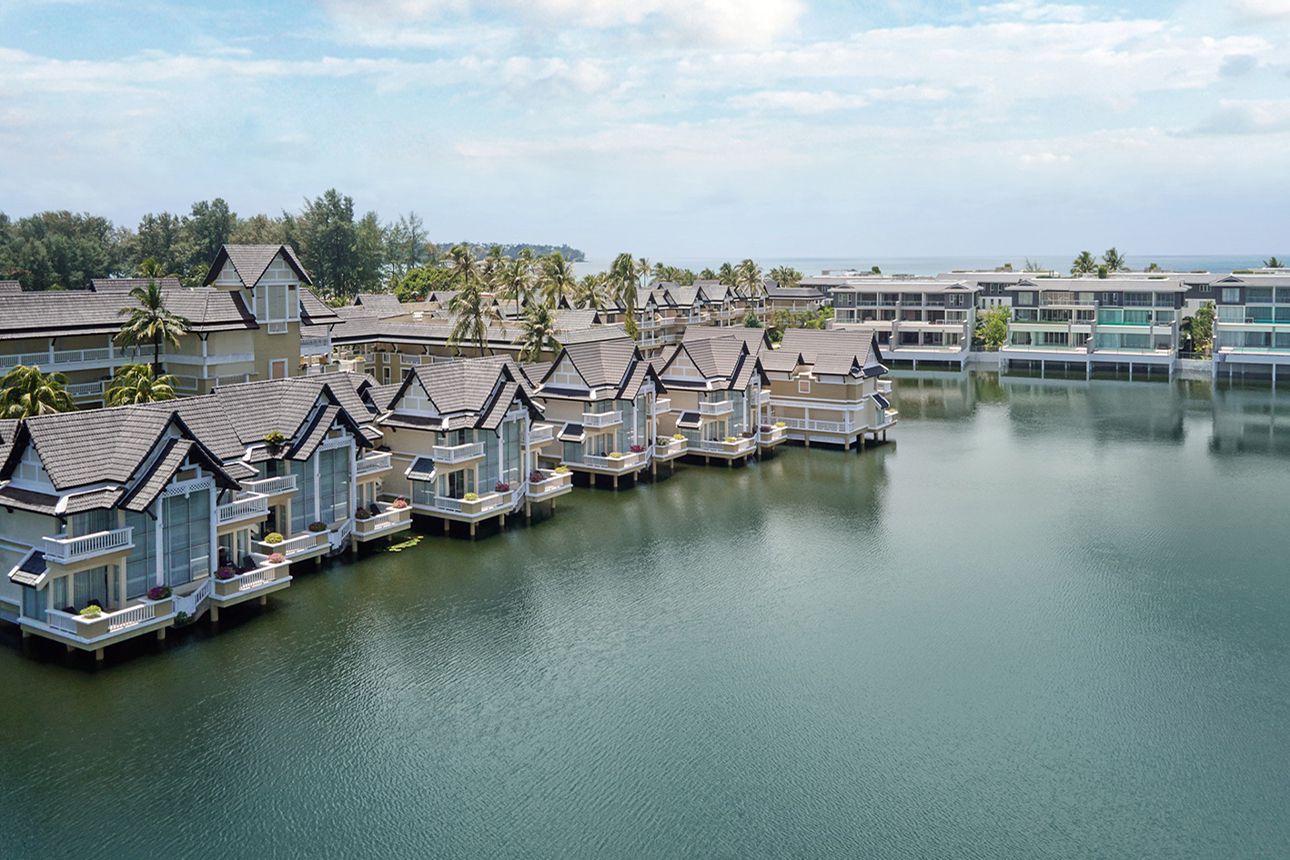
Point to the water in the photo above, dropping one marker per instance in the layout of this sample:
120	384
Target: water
1050	621
893	265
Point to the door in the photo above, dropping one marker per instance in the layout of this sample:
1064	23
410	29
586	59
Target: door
278	368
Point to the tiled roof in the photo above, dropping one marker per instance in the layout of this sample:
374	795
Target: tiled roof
28	500
10	287
317	432
384	302
755	339
54	313
125	285
250	262
859	344
470	388
314	311
79	448
603	363
30	571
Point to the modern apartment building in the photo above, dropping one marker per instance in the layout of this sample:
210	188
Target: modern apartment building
1092	325
603	398
915	320
1252	325
465	437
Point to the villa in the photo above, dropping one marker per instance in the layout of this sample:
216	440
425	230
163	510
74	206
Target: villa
914	319
1252	324
246	324
1092	325
828	387
603	396
464	436
718	402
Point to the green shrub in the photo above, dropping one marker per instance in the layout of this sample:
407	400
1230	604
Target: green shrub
91	611
274	437
316	528
274	538
471	497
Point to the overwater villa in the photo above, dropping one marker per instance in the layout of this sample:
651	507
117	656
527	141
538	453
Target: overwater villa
915	320
718	401
827	387
465	436
603	397
1087	325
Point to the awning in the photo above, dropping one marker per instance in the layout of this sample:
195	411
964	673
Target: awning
31	572
689	421
422	469
882	401
572	433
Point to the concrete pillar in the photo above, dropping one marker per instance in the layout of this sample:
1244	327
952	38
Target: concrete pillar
215	613
98	655
264	600
472	530
161	635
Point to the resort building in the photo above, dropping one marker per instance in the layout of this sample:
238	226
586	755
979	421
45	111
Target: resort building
828	387
464	436
915	320
603	397
1252	324
237	332
1092	325
159	513
794	300
718	401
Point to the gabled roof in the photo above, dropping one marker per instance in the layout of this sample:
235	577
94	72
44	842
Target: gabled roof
602	363
63	313
125	285
833	349
470	392
755	339
163	468
314	311
384	302
100	445
10	287
251	261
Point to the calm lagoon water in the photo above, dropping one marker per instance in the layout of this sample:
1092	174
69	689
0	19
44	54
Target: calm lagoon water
1051	620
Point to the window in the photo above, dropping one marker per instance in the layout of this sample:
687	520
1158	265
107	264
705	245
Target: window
1258	295
141	565
1231	296
278	368
302	507
803	386
333	484
186	535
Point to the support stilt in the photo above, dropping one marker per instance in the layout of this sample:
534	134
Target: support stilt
264	600
215	613
99	655
161	635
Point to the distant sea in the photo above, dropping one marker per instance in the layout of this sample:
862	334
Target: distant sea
936	265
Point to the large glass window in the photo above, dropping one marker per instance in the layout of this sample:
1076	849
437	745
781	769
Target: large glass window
511	442
1231	296
141	565
492	460
302	508
186	535
333	484
1258	295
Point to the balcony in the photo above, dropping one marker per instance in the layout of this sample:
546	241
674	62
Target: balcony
739	447
95	631
619	465
541	434
662	405
457	453
884	386
669	448
373	463
716	408
545	484
315	345
465	509
86	390
70	550
596	420
770	435
245	507
841	427
302	546
390	520
280	485
266	576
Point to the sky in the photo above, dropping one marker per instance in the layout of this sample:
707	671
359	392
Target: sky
681	128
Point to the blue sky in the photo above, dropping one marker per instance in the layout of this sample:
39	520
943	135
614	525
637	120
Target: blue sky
673	128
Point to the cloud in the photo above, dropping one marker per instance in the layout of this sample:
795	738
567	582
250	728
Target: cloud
1245	117
1261	11
1032	10
828	101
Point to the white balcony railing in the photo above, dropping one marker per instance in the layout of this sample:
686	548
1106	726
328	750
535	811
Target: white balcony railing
293	547
189	603
376	461
601	419
457	453
80	390
550	484
772	435
624	463
385	520
662	405
274	486
716	407
736	448
540	434
820	426
66	550
131	616
249	506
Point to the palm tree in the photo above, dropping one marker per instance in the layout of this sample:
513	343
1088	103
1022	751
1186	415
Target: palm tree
1114	260
136	383
708	275
748	275
1084	264
474	312
590	293
464	267
493	261
512	280
26	392
1273	263
151	323
786	276
150	267
726	274
623	273
539	333
558	279
1153	267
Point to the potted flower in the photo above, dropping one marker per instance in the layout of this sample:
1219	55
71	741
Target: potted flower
731	439
471	497
362	514
747	434
318	527
273	538
636	449
399	504
615	455
225	573
273	440
562	470
678	437
780	424
276	558
765	428
159	592
93	610
502	487
535	477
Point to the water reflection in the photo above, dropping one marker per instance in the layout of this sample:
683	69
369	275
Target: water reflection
1250	419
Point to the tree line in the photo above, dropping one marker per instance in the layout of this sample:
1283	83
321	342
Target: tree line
344	252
